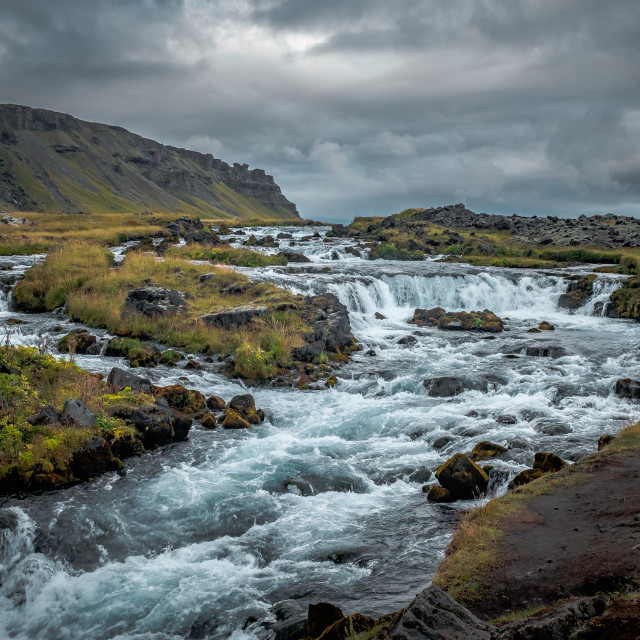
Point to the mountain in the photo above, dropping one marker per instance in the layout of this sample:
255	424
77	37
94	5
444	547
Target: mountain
54	162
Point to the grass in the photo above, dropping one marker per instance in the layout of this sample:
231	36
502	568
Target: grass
31	380
230	256
474	551
80	274
512	616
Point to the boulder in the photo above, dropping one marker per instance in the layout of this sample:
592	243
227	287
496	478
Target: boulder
178	397
435	615
291	256
320	617
485	321
192	230
486	449
548	462
215	403
444	386
235	317
160	425
378	316
604	441
208	421
627	388
244	406
126	446
506	418
76	413
154	302
546	326
76	341
427	317
545	351
348	627
578	292
233	420
47	415
93	459
439	494
408	341
119	379
525	477
462	477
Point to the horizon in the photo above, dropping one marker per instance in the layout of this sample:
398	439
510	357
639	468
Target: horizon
359	109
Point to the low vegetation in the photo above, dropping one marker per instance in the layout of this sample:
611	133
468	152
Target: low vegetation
229	256
474	552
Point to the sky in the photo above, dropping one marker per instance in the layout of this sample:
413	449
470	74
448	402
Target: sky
358	107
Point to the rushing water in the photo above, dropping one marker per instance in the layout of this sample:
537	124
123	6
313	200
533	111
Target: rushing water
228	533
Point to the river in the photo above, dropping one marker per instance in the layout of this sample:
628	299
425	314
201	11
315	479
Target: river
230	534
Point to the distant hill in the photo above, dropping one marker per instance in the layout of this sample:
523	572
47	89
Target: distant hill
54	162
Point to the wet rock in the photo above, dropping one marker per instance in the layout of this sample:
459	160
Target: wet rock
235	317
378	316
93	459
192	230
604	441
578	292
553	428
154	302
245	406
548	462
525	477
370	353
444	386
546	326
486	449
208	421
627	388
506	419
408	341
119	379
170	357
215	403
463	478
321	616
561	622
76	413
485	320
346	628
160	425
192	365
434	615
442	442
126	446
439	494
233	420
76	341
47	415
545	351
291	256
95	349
186	400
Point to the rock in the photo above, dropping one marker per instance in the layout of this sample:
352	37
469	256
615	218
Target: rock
439	494
192	365
119	379
444	386
545	351
604	441
235	317
627	388
93	459
321	616
192	230
95	349
408	341
442	442
155	302
11	221
485	320
348	627
550	428
486	449
245	406
215	403
76	341
463	478
378	316
293	257
178	397
525	477
170	357
233	420
208	421
434	615
546	326
548	462
47	415
160	425
533	330
559	623
126	446
331	381
370	353
76	413
578	292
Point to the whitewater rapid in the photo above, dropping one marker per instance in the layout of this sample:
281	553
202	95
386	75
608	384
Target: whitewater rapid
232	534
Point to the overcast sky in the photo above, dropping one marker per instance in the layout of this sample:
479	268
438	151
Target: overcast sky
358	107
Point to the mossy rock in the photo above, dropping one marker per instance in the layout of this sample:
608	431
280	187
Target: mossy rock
233	420
546	326
208	421
439	494
486	449
525	477
548	462
215	403
178	397
76	341
331	381
170	357
464	479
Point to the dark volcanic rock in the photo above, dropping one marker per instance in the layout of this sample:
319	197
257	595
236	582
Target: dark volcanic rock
545	351
434	615
444	386
94	458
159	425
233	317
75	412
47	415
192	230
627	388
155	301
462	477
119	379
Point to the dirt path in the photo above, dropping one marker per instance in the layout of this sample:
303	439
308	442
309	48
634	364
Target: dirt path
575	541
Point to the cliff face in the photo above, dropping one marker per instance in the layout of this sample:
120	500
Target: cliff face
54	162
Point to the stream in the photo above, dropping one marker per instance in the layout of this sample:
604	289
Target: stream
230	535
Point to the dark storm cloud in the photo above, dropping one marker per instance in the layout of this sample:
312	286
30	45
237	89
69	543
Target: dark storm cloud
363	106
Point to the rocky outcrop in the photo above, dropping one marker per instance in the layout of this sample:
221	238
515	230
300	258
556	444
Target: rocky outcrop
160	425
543	463
76	413
93	459
241	413
449	386
578	292
178	397
155	302
111	164
486	449
192	230
235	317
76	341
486	320
119	379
